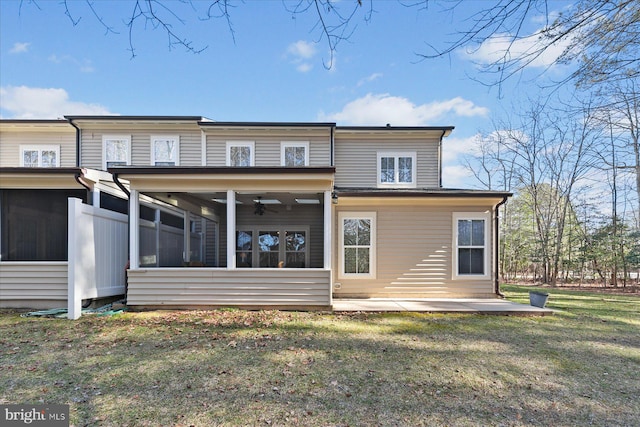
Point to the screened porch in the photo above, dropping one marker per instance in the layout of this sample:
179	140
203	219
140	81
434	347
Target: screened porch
250	237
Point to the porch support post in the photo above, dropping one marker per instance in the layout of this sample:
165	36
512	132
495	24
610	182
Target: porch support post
134	226
231	229
95	197
186	257
328	229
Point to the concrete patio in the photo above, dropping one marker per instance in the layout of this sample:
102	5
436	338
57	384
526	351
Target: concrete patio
440	305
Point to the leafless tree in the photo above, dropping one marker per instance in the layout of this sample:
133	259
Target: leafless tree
545	155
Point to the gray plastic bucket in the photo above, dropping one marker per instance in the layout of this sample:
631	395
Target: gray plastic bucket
538	299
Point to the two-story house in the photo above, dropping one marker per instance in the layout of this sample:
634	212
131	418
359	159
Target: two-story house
288	215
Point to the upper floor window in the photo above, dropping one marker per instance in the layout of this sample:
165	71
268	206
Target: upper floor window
165	150
117	150
471	233
240	153
40	156
294	154
396	169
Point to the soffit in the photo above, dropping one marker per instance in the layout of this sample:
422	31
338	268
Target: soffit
39	178
49	126
223	179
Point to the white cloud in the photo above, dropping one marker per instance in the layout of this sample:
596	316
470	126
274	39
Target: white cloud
454	172
524	49
23	102
452	148
302	49
84	65
457	176
300	53
369	79
20	47
381	109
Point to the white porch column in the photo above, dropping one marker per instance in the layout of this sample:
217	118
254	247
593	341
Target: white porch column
157	224
231	229
134	226
95	197
328	229
186	257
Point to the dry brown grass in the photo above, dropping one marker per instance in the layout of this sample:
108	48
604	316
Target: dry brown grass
236	368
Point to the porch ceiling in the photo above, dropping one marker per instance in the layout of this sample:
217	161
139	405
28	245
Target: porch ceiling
206	204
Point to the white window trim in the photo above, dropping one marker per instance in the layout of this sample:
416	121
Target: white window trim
255	230
250	144
154	138
486	217
286	144
40	149
396	155
372	252
106	138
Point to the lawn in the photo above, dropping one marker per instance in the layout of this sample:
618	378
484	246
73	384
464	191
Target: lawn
230	367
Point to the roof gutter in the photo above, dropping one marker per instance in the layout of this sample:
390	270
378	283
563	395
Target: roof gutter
79	179
496	231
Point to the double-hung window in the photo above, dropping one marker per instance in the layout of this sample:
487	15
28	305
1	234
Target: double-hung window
294	154
240	153
40	156
397	169
117	150
165	150
357	242
471	245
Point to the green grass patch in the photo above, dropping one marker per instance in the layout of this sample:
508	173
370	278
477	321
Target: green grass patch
234	367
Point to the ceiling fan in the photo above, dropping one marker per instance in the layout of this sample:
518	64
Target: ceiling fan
260	205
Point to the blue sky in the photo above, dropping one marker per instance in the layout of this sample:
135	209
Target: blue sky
273	70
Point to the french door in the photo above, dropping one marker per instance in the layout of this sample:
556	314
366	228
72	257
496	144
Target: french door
272	247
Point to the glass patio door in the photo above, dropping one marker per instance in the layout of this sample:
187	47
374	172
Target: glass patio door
272	247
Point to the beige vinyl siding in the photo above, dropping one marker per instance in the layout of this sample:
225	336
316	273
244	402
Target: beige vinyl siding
188	287
91	145
191	148
267	147
33	284
414	255
140	148
91	149
356	159
10	142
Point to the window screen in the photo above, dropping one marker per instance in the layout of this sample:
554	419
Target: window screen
34	224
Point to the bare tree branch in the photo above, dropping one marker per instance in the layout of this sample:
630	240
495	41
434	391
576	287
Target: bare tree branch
333	25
